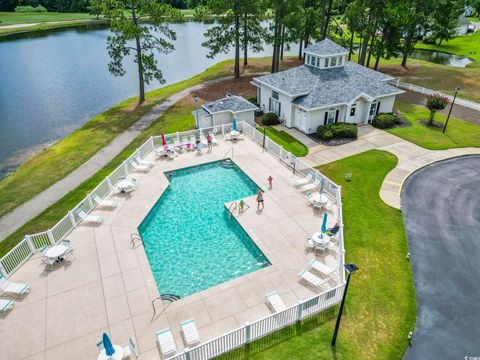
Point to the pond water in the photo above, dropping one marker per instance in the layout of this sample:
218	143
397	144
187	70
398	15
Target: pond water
53	82
441	58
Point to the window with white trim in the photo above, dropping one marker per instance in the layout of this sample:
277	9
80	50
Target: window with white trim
326	62
318	62
331	116
340	60
333	61
312	60
275	95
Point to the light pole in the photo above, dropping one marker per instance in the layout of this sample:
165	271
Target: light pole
457	89
351	268
195	97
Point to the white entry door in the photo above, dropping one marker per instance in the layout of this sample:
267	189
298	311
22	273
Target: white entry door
301	119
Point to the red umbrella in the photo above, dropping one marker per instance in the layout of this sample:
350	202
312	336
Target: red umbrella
163	139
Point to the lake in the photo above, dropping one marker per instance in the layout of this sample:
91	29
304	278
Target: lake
52	82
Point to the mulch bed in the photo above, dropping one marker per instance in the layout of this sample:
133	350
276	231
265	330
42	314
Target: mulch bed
332	142
403	122
435	124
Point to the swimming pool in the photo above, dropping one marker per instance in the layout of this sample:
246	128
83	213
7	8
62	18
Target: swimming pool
190	241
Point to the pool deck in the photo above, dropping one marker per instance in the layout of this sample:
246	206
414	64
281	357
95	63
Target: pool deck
109	286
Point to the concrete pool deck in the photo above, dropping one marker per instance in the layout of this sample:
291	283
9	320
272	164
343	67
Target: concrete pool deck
109	286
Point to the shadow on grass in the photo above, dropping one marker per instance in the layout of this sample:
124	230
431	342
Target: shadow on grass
280	336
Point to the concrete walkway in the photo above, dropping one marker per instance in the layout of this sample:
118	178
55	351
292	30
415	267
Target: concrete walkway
25	212
411	157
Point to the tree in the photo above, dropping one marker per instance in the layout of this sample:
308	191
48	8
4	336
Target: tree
202	13
125	17
435	103
414	17
95	7
280	8
445	18
355	23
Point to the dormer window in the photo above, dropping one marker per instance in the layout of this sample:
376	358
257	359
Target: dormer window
340	60
326	62
312	60
325	54
318	62
333	62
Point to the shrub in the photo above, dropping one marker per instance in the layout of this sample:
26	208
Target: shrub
337	131
270	119
385	121
29	8
253	100
436	102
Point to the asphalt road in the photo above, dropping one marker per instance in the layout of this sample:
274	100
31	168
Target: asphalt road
441	208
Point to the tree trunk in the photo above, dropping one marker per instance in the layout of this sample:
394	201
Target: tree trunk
327	19
237	40
350	49
283	43
300	52
363	52
377	61
370	52
138	49
323	14
275	49
432	115
245	41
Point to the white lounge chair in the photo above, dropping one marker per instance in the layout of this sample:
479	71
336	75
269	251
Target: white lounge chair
274	302
303	180
69	252
12	288
311	186
190	333
5	305
89	218
139	167
111	204
166	343
311	279
129	350
143	162
322	268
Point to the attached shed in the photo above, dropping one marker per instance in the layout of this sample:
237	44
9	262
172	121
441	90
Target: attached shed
222	111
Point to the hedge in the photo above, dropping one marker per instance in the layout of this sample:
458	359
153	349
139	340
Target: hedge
337	131
270	119
385	121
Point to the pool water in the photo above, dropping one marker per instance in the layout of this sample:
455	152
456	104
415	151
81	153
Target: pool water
190	240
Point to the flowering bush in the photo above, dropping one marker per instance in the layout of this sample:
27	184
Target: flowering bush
436	102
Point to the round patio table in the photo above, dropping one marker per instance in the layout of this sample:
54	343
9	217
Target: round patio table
320	198
234	134
118	355
56	251
320	238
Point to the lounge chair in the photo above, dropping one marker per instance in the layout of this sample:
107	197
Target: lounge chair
159	151
274	302
129	350
166	343
321	267
311	279
5	305
143	162
139	167
303	181
111	204
189	333
89	218
311	186
309	243
12	288
69	252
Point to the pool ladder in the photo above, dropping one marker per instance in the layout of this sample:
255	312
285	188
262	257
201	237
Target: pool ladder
135	236
232	208
165	298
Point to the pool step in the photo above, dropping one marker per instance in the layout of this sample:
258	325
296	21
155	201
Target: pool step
169	297
227	163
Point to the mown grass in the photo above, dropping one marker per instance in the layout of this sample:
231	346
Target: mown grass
381	307
57	161
286	140
459	133
13	18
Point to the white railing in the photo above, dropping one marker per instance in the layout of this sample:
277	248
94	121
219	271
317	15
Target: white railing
263	327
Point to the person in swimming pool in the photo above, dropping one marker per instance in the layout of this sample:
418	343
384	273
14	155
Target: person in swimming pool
260	199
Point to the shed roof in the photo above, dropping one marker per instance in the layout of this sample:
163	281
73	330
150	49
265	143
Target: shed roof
232	103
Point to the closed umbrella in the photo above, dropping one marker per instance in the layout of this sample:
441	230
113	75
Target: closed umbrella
163	140
107	344
324	223
234	126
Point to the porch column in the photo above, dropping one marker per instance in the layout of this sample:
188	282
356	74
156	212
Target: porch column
347	113
369	104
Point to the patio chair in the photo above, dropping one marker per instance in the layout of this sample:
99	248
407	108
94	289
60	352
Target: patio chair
159	151
312	280
5	305
321	267
69	253
274	302
89	218
49	262
143	162
309	243
311	186
166	342
12	288
189	333
139	167
129	350
104	203
302	181
100	346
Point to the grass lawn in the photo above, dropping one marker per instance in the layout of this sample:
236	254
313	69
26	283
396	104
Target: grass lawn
381	307
459	133
468	45
473	19
13	18
43	170
286	140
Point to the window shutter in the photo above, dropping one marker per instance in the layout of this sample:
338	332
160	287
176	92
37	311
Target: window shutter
378	108
279	109
326	117
269	104
336	115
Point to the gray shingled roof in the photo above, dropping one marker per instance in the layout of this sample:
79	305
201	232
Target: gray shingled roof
314	87
326	47
233	103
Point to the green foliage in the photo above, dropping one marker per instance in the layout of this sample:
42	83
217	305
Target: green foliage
270	118
337	131
286	140
202	13
445	18
436	102
385	121
95	7
253	100
28	8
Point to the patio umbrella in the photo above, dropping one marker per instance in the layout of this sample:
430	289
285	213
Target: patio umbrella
107	344
324	223
234	126
163	139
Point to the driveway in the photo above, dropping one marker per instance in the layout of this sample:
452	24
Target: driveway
441	207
